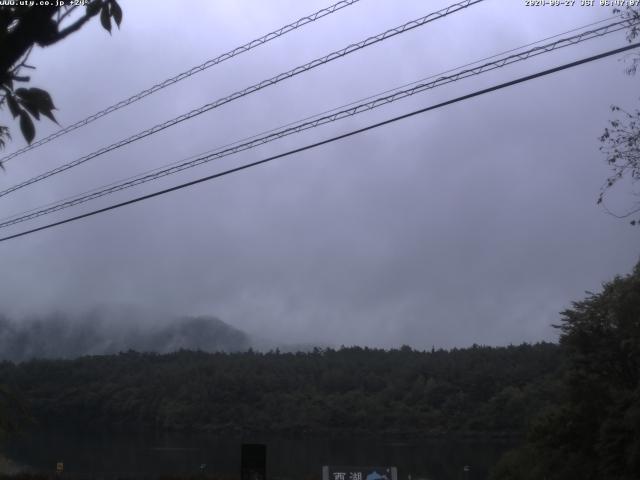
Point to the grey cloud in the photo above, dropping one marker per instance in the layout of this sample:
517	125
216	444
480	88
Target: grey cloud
473	223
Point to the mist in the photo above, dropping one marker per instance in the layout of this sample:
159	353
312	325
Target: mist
475	223
108	330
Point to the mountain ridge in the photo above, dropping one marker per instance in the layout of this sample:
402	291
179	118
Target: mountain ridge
105	330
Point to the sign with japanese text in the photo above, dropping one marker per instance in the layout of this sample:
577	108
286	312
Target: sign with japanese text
359	473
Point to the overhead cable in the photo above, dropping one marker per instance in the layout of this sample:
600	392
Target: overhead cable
186	74
329	140
306	125
254	88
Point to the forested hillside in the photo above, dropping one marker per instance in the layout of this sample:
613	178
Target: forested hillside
351	390
593	433
107	331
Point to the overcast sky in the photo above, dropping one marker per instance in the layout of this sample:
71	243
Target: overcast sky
474	223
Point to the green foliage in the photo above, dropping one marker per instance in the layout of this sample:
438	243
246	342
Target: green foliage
518	464
480	390
621	139
13	413
621	145
22	27
595	432
4	136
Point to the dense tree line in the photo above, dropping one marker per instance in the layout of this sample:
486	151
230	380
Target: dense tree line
350	390
579	401
594	431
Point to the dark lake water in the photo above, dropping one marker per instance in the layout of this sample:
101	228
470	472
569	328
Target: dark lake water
109	456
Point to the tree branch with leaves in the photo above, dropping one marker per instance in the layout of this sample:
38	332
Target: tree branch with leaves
21	29
621	139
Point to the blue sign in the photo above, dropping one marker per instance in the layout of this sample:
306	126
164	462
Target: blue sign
359	473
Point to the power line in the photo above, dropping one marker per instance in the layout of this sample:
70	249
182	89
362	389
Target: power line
276	134
254	88
330	140
186	74
354	102
64	200
203	158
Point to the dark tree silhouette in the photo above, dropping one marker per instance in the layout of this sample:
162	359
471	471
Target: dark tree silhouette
21	29
594	433
493	392
621	139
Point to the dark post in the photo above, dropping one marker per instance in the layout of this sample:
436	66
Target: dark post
253	461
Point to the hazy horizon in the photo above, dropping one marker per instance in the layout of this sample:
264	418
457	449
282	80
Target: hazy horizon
474	223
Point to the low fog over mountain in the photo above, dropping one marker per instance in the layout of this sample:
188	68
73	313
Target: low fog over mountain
108	330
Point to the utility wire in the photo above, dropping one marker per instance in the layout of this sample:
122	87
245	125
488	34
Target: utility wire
331	140
206	157
328	111
305	125
254	88
96	189
181	76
